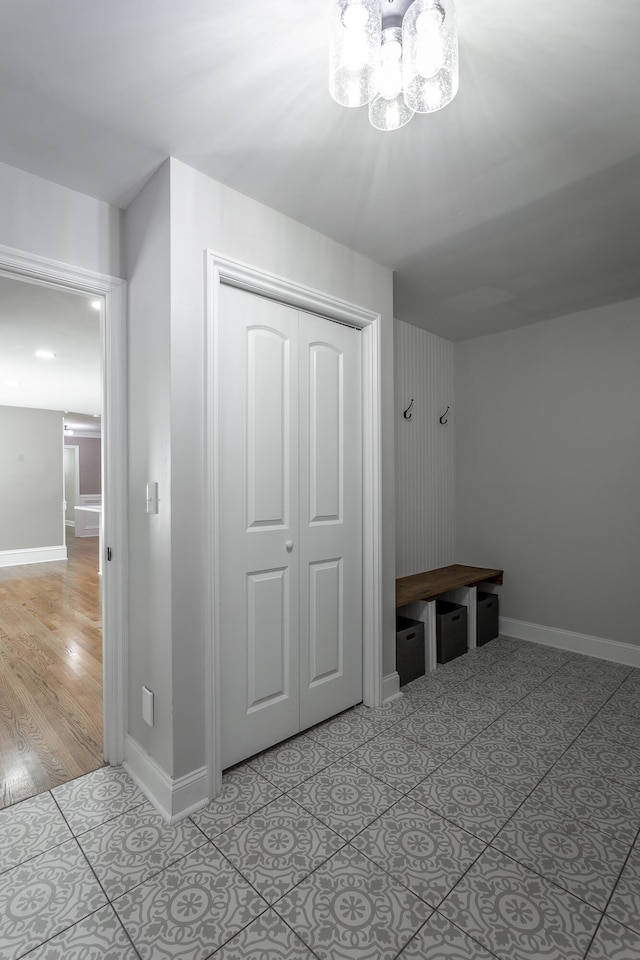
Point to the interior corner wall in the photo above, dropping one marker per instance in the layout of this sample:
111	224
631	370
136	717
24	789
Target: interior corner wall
206	214
548	468
147	252
31	479
47	220
425	450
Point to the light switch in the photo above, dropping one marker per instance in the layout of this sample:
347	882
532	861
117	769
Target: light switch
147	706
152	497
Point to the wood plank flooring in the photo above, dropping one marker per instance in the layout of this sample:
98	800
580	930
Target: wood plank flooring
50	672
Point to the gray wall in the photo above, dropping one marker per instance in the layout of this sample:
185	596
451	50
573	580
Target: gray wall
425	450
548	468
89	463
31	478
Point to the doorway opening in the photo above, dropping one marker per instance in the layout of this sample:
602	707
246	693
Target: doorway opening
99	605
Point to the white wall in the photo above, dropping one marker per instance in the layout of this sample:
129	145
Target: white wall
548	471
167	429
31	479
51	221
147	248
425	450
205	214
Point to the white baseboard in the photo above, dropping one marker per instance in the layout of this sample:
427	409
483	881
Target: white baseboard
390	687
14	558
613	650
174	799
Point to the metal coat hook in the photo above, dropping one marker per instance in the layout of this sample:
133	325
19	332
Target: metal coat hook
407	413
442	418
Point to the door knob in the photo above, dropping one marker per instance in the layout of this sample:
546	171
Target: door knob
289	545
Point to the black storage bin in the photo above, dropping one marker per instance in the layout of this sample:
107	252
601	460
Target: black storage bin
409	649
487	617
451	630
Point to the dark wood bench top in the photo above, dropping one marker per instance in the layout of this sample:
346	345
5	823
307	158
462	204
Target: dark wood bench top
432	583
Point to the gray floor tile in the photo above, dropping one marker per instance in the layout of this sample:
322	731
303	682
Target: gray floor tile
466	796
584	861
345	798
99	937
616	761
97	797
594	668
440	940
135	846
519	915
278	846
420	849
243	792
430	688
30	828
290	763
266	938
551	704
604	804
343	733
388	714
507	760
398	760
472	705
438	730
607	725
589	691
417	786
190	909
625	903
349	909
614	942
44	896
520	721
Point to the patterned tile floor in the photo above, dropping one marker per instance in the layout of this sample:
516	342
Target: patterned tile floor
491	812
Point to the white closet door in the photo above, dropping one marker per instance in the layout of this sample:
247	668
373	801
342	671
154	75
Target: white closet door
290	518
330	519
258	575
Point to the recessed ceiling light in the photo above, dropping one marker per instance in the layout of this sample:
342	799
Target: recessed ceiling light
45	354
12	383
96	304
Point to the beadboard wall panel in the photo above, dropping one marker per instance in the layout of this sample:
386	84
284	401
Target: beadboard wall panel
425	450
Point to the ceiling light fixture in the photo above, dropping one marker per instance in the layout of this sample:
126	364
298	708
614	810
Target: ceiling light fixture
45	354
398	56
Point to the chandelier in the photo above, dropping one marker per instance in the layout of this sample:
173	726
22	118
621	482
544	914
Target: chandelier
398	56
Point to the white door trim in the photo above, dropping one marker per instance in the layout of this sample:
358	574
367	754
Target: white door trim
219	270
18	263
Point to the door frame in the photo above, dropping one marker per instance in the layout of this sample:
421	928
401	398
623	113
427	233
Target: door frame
219	270
52	273
76	469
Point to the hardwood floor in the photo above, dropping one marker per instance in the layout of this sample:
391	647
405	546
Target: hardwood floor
50	672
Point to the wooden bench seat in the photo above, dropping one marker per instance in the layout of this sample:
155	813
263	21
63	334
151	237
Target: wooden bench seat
433	583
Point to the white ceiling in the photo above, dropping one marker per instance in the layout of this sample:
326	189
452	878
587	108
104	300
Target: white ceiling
36	317
518	202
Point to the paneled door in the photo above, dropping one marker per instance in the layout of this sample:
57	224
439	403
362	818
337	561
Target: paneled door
290	521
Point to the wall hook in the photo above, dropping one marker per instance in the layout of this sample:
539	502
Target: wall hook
443	421
407	413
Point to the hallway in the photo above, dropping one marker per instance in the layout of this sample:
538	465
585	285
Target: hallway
50	672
